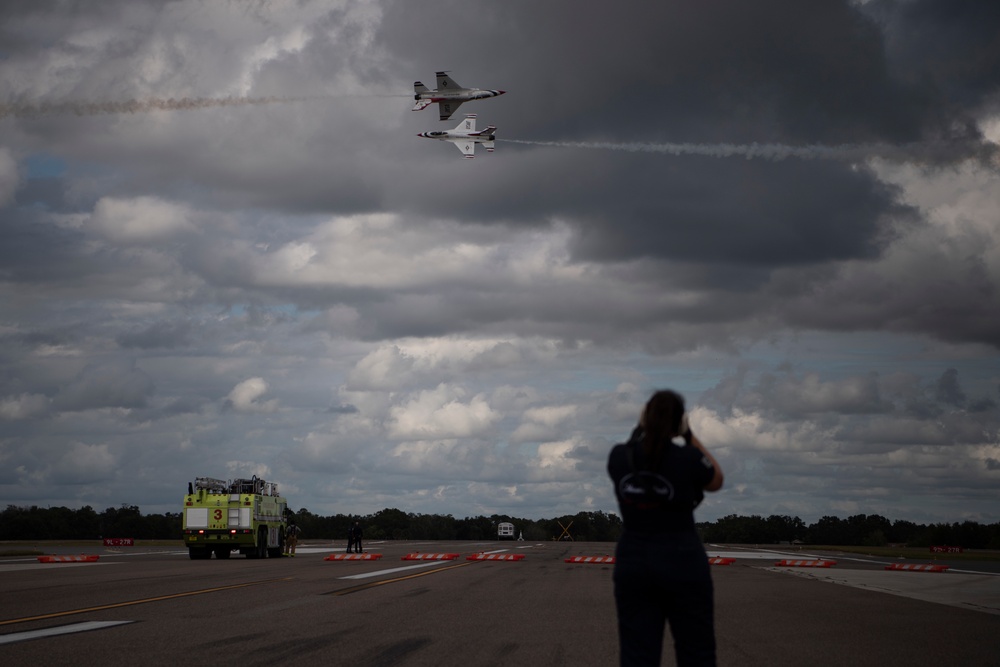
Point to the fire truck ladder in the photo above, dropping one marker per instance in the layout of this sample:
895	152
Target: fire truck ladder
210	484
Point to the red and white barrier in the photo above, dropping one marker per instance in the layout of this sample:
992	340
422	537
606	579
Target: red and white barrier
495	557
68	559
607	560
805	563
420	556
353	557
915	567
591	559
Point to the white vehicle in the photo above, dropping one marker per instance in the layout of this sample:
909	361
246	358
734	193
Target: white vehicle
449	95
505	531
465	136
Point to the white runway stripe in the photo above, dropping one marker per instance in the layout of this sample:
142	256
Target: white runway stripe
376	573
61	630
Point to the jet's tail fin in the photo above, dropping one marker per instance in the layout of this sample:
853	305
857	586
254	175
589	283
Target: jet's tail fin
491	132
468	125
418	90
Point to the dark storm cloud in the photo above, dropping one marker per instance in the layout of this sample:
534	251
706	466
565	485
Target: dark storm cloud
731	213
720	71
729	72
735	213
951	47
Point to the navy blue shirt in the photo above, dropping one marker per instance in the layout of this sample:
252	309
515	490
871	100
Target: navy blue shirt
660	500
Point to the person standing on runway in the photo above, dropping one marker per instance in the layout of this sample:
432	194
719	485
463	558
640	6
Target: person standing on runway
356	537
661	570
291	538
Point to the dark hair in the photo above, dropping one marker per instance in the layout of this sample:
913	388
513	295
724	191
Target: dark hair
661	422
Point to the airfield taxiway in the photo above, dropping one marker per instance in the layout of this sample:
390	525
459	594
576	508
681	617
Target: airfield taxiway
157	607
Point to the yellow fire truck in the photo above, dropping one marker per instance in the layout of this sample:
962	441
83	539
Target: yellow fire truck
223	516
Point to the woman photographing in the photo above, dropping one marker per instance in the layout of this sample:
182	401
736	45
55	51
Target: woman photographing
661	569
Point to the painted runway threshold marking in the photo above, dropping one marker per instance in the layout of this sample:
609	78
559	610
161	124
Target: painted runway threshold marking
61	630
373	584
375	573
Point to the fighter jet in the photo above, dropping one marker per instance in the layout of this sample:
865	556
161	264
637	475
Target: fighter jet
449	95
465	137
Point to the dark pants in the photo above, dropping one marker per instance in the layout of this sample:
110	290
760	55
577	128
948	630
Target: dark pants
357	545
662	579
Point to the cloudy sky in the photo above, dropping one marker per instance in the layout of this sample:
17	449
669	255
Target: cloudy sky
224	252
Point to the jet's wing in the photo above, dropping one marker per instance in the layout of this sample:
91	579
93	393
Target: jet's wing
421	104
467	146
445	82
447	108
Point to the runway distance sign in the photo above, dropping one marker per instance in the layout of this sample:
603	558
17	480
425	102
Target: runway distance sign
119	542
946	550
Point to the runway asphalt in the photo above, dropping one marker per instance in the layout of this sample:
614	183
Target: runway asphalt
156	606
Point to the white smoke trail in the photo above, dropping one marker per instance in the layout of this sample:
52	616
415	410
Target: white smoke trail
81	108
916	152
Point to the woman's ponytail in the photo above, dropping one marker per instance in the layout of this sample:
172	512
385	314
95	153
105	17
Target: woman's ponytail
661	422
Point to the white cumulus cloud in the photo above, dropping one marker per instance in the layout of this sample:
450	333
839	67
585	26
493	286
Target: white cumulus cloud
139	220
245	397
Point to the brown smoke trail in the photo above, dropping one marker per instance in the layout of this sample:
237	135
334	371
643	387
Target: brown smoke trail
80	108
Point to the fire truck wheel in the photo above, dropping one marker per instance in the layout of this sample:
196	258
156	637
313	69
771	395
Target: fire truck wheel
262	543
277	551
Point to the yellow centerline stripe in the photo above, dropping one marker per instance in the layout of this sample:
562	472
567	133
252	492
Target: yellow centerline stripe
135	602
362	587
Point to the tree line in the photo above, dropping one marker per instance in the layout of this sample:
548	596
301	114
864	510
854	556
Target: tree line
871	530
61	523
